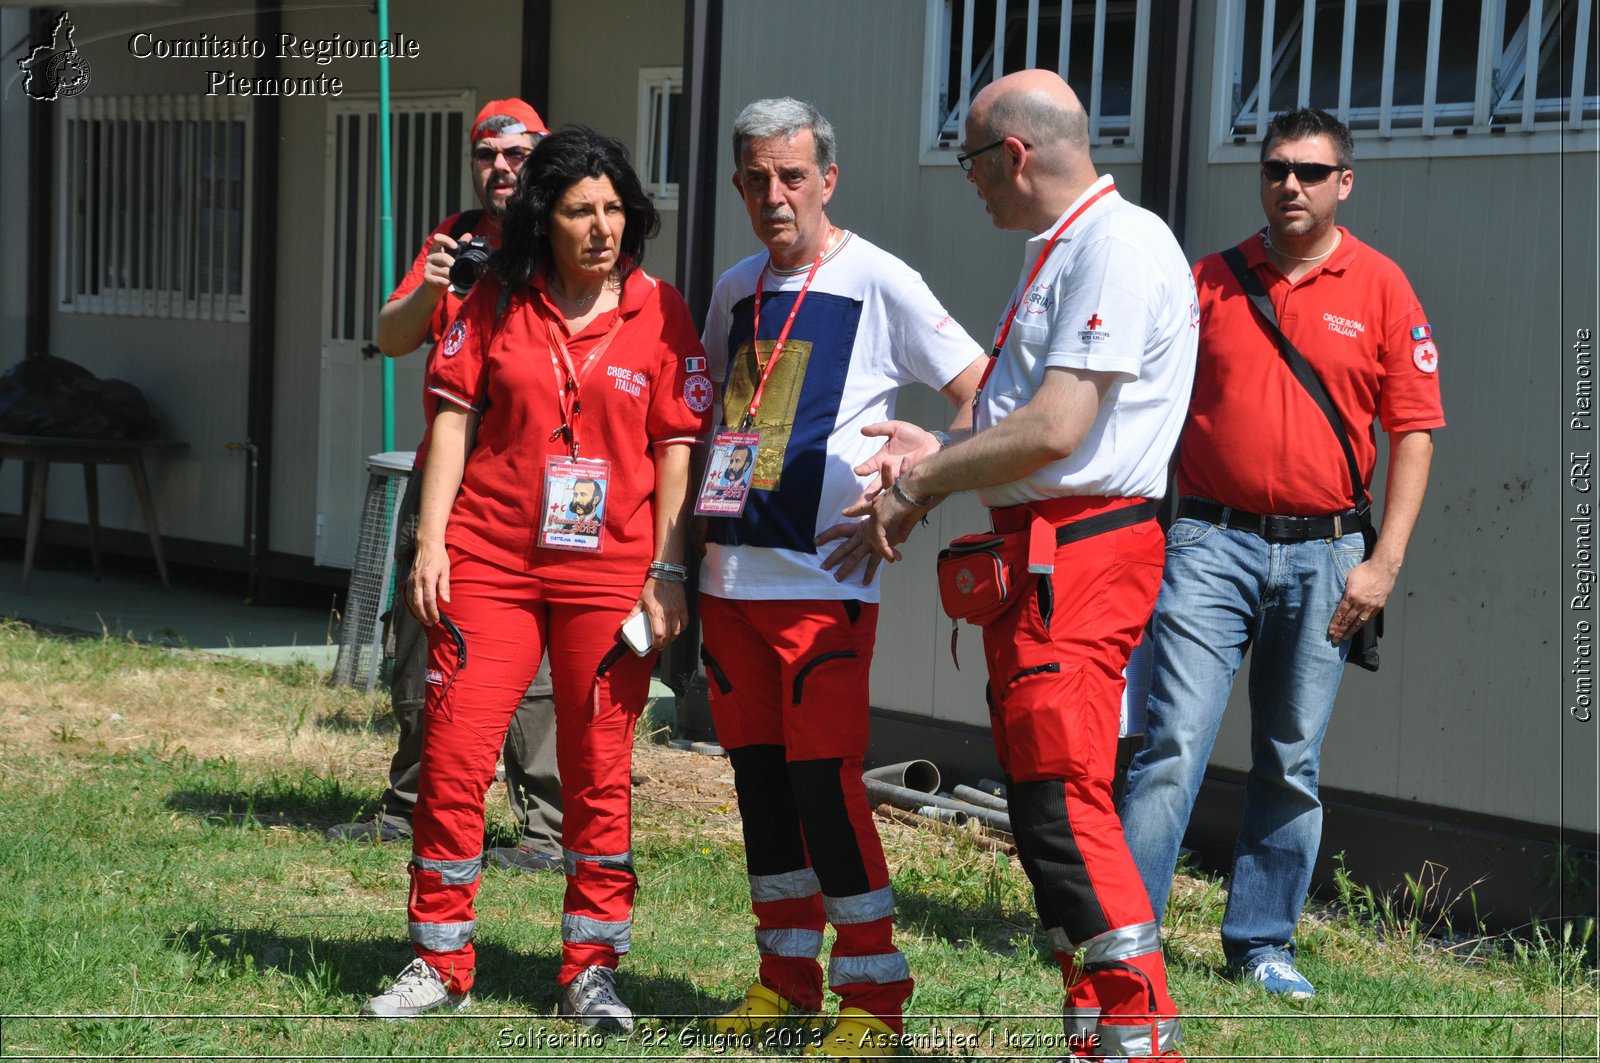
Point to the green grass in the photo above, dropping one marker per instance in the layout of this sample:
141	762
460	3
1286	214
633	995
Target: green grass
165	892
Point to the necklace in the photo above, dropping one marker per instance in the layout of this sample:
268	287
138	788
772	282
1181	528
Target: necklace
583	302
1267	240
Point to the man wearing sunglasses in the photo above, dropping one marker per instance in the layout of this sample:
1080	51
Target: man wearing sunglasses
419	310
1267	548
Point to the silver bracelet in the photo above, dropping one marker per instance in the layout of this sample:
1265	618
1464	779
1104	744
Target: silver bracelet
667	572
900	493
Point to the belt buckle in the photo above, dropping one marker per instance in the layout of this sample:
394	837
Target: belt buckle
1278	528
1338	525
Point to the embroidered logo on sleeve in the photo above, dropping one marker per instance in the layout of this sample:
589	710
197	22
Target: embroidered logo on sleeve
694	365
1425	356
1094	330
697	393
454	339
1422	332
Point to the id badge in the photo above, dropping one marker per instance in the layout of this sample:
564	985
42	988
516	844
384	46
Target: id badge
574	504
726	486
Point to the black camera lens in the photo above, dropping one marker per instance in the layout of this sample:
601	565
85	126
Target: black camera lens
471	259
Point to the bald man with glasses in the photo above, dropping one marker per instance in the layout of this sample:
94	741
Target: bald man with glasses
1268	547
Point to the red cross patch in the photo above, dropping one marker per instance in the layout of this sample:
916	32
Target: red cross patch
1425	356
697	393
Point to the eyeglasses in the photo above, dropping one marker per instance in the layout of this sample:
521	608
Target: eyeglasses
964	160
1307	173
515	156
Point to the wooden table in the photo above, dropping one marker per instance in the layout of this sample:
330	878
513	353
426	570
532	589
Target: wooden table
39	452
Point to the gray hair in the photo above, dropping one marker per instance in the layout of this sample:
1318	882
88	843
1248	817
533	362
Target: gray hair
1036	119
784	117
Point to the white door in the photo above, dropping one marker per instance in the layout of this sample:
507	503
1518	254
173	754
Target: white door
432	179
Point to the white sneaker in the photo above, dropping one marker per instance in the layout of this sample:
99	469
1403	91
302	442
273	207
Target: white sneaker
591	999
417	991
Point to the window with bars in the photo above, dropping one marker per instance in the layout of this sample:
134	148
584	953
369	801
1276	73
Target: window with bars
660	111
1100	47
428	140
1410	68
153	200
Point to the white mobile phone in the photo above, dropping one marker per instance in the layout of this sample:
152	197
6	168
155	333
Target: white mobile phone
636	633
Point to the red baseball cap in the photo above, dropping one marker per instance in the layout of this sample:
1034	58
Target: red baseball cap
524	120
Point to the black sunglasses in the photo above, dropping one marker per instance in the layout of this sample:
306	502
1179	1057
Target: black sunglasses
515	156
964	160
1307	173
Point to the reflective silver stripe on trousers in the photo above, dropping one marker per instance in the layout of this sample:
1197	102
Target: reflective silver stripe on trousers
1080	1022
453	872
1134	1039
861	908
789	886
570	858
580	929
880	970
1123	943
442	937
789	941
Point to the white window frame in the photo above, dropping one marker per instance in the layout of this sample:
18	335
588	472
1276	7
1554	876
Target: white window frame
1111	139
144	246
1498	120
657	86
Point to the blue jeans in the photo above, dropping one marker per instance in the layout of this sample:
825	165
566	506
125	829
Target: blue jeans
1224	591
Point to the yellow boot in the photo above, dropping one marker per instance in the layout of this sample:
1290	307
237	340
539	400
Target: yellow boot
761	1010
857	1035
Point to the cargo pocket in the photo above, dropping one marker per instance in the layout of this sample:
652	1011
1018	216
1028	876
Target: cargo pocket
812	665
1042	710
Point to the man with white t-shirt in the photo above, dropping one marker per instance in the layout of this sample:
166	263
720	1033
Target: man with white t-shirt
1094	361
811	338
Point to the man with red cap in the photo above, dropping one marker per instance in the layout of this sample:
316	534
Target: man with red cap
418	311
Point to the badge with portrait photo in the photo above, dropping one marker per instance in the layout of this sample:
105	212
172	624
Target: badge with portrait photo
726	487
574	505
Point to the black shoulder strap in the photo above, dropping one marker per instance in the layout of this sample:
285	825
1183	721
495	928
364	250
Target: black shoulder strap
466	221
1302	371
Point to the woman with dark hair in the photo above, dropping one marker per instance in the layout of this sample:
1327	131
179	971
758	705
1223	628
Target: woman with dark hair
553	511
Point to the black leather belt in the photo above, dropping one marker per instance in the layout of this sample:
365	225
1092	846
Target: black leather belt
1270	526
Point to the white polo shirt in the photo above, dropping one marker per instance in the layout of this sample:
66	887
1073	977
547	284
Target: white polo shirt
1115	295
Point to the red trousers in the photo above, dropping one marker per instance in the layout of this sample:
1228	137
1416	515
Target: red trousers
788	683
507	620
1055	692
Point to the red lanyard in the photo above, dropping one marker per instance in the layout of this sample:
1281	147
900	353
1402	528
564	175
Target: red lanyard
569	379
1011	315
783	336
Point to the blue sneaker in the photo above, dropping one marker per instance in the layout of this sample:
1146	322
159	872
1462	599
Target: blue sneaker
1278	976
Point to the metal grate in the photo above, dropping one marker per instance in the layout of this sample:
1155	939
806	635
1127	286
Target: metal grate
153	197
372	577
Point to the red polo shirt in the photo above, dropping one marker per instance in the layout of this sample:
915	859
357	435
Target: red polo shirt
1254	439
647	389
